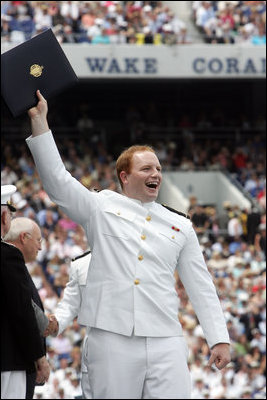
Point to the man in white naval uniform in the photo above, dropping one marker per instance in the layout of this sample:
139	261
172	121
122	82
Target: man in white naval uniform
68	309
135	343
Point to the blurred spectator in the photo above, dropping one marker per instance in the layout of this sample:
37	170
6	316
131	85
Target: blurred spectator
62	346
253	222
199	219
8	176
204	12
234	226
260	239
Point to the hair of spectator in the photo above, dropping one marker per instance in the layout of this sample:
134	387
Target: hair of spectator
19	225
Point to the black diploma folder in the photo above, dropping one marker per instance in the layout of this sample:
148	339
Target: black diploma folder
39	63
41	318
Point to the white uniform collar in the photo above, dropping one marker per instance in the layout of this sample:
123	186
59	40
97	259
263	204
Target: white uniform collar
145	205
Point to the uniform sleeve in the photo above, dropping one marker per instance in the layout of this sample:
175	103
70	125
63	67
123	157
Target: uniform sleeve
201	291
62	188
69	306
17	295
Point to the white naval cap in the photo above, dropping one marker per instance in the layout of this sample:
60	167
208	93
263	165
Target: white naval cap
6	193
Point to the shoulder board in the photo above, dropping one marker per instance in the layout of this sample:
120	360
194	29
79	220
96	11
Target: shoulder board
175	211
82	255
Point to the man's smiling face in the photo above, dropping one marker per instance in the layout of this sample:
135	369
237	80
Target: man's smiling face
144	180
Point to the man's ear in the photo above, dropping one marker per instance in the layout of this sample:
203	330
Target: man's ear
124	177
22	237
4	217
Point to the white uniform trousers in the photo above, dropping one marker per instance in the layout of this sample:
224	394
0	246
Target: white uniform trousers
86	390
122	367
13	385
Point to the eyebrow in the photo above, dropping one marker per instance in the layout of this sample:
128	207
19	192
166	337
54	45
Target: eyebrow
150	165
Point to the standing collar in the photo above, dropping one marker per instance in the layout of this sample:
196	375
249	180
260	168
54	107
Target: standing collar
145	205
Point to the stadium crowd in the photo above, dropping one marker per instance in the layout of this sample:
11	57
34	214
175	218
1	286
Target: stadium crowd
95	22
242	22
233	243
134	22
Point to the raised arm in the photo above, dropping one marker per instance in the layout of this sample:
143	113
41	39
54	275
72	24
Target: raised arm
62	188
38	116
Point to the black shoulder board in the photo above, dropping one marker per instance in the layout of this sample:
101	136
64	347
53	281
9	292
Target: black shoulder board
82	255
177	212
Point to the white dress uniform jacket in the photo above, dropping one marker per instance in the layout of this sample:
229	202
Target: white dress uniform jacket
68	308
135	250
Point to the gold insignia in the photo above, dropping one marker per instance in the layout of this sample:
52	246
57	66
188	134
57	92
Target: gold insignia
36	70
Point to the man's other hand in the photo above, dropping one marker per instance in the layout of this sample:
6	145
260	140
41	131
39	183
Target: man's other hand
220	355
52	328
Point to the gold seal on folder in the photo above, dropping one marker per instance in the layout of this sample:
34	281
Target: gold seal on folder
36	70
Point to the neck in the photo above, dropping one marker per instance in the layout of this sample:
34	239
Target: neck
135	198
14	243
3	232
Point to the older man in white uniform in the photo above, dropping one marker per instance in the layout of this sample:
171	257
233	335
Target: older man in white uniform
136	347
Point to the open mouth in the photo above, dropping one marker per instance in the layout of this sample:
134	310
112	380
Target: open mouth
152	185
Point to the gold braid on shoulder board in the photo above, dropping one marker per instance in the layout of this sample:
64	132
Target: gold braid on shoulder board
82	255
175	211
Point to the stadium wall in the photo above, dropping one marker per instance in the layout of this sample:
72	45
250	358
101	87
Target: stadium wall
210	187
148	61
192	61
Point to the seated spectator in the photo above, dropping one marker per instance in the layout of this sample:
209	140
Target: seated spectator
260	239
66	223
234	226
199	219
203	13
102	38
8	176
62	347
260	37
217	262
5	29
48	218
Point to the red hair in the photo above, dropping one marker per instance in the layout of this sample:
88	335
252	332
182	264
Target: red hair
124	162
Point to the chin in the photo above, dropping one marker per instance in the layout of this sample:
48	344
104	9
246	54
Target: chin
151	198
